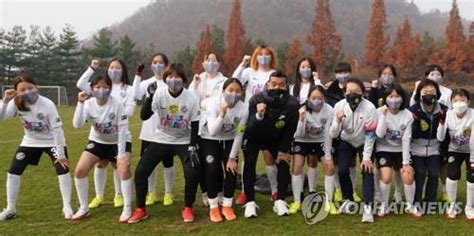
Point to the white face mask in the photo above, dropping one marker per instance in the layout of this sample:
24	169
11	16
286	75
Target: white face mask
435	78
460	107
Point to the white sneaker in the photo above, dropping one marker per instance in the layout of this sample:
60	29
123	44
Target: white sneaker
80	214
250	210
451	211
382	210
411	209
205	199
347	207
469	213
280	208
7	215
68	212
125	216
367	216
397	196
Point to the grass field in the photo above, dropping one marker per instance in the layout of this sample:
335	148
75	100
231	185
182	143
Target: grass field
39	206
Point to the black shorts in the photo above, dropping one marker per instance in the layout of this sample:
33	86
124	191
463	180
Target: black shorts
305	149
443	160
167	163
389	159
106	152
25	156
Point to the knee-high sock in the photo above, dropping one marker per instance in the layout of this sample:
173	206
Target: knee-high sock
329	182
13	189
353	175
470	195
297	186
152	182
337	184
384	191
272	172
117	184
451	189
100	177
410	192
312	178
82	187
376	180
169	174
127	189
397	179
65	186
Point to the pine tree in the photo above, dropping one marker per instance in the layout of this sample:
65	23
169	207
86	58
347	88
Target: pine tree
14	51
235	39
293	55
376	39
126	51
185	57
203	46
404	47
455	51
218	39
69	54
104	48
470	44
2	54
48	61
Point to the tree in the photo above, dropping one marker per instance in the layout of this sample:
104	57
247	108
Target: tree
323	38
470	44
69	54
126	51
293	55
2	54
104	48
203	46
404	46
218	39
455	55
14	52
235	39
376	39
281	53
47	61
186	57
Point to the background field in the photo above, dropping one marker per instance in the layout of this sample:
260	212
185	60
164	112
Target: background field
39	207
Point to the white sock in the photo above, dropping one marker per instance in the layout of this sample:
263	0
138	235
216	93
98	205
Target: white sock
82	187
152	182
384	191
410	192
376	180
100	177
337	184
272	172
227	202
65	186
312	178
118	186
127	189
397	180
169	174
329	182
13	189
451	189
297	186
213	202
353	175
470	195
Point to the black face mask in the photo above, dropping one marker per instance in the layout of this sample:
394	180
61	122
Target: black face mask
276	95
428	99
354	100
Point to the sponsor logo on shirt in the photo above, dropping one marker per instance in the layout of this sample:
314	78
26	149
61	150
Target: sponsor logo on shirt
257	89
38	127
393	135
174	122
106	128
463	138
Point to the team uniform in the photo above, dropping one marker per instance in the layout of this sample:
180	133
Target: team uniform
445	98
107	141
461	149
43	134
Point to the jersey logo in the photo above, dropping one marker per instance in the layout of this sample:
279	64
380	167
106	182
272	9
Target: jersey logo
210	159
124	117
323	121
280	124
36	127
58	120
382	161
40	116
451	159
173	109
90	146
184	109
20	156
123	94
112	116
106	128
424	125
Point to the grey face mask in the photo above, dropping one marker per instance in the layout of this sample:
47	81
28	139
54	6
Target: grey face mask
101	94
174	84
305	72
158	68
232	98
115	74
264	60
30	96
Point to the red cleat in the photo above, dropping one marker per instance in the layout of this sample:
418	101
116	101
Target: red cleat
241	199
188	215
139	214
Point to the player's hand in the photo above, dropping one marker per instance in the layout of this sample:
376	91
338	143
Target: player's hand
95	64
367	166
64	162
9	95
232	166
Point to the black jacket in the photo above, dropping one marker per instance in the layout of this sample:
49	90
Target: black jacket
334	94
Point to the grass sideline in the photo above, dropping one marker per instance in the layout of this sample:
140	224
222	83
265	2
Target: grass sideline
39	206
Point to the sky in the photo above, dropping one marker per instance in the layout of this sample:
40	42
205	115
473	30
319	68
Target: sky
87	16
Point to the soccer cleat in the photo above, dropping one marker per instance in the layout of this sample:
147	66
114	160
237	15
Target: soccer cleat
168	199
331	208
7	215
398	197
337	195
125	216
280	208
451	211
138	215
241	199
68	212
150	199
356	197
96	202
80	215
295	207
118	200
274	197
367	216
469	213
382	210
205	200
250	210
413	211
228	213
215	215
187	214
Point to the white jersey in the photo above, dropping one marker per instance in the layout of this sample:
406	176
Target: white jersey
304	91
459	131
147	132
445	98
394	132
208	87
214	127
38	123
174	116
253	80
357	127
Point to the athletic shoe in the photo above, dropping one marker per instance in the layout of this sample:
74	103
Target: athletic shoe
7	215
367	216
168	199
347	207
331	208
215	215
125	216
382	210
139	214
96	202
451	211
150	199
295	207
205	200
274	197
68	212
469	213
280	208
413	211
118	200
80	215
356	197
398	197
337	195
250	210
241	199
228	213
187	214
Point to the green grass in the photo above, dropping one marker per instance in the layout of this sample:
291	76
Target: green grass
39	206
